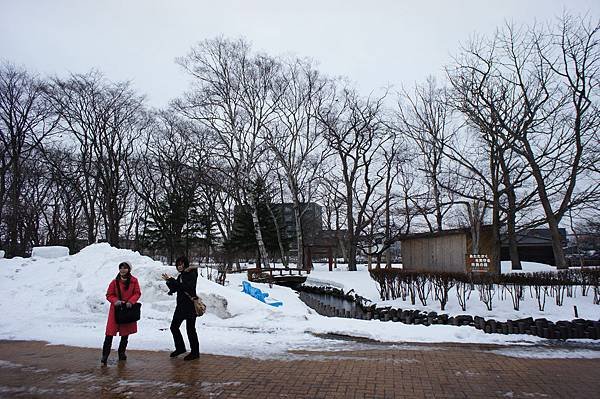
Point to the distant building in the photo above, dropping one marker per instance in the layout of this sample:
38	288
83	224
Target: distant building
443	251
449	250
312	221
534	245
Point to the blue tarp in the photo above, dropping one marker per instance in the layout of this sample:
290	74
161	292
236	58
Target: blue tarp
258	294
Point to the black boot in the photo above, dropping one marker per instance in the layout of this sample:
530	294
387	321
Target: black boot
177	352
191	356
106	349
123	347
190	326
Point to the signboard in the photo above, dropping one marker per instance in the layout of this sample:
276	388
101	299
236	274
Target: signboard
478	263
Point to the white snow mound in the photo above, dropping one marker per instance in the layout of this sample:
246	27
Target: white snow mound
49	252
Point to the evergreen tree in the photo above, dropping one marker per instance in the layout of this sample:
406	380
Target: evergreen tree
242	240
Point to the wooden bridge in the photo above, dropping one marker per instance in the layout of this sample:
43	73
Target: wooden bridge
278	275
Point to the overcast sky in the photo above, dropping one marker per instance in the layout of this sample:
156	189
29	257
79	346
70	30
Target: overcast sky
373	43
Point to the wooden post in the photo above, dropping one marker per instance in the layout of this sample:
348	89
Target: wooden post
330	258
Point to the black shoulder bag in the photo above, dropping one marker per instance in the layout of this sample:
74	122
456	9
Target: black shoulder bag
123	314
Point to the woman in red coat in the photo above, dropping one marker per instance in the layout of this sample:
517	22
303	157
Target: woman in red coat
130	293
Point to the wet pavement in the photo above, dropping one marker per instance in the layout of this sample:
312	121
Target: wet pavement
35	370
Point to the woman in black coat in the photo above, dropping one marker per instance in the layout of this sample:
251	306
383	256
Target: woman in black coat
185	287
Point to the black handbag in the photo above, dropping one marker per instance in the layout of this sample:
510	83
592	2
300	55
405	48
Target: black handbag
123	314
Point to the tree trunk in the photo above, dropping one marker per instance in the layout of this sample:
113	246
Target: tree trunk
171	251
112	230
559	253
351	239
352	256
495	252
512	245
512	234
495	266
342	244
91	228
388	257
551	218
15	248
340	240
281	250
299	235
264	259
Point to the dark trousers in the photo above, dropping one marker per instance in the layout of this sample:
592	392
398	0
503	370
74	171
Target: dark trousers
190	326
108	339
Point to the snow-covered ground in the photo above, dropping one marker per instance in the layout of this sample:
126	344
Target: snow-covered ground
62	300
502	307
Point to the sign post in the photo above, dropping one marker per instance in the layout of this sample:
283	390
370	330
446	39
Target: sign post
478	263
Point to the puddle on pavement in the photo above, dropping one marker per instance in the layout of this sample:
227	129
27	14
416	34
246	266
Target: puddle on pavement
551	349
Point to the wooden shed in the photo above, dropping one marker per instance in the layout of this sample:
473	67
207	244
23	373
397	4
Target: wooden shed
443	251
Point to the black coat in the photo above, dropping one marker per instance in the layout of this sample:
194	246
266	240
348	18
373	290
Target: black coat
184	283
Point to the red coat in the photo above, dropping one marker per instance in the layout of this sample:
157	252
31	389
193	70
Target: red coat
131	295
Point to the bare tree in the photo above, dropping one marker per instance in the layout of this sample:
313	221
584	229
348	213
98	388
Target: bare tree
424	117
166	175
405	181
295	137
355	135
393	220
63	216
394	155
537	90
24	123
104	121
234	96
330	194
483	98
571	52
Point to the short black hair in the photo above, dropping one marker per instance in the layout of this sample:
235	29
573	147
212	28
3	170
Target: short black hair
184	260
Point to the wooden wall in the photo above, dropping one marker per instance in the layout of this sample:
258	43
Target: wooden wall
439	253
486	247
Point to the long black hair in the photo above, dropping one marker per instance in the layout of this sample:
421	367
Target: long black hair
127	276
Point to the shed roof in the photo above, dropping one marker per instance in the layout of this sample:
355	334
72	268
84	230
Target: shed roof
429	234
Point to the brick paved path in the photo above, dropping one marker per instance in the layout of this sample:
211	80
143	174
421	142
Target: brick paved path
33	369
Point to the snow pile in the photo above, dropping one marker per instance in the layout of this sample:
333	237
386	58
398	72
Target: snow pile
527	267
1	254
62	300
49	252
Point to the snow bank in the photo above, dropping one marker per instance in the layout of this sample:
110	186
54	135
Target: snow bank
49	252
528	267
62	300
502	306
